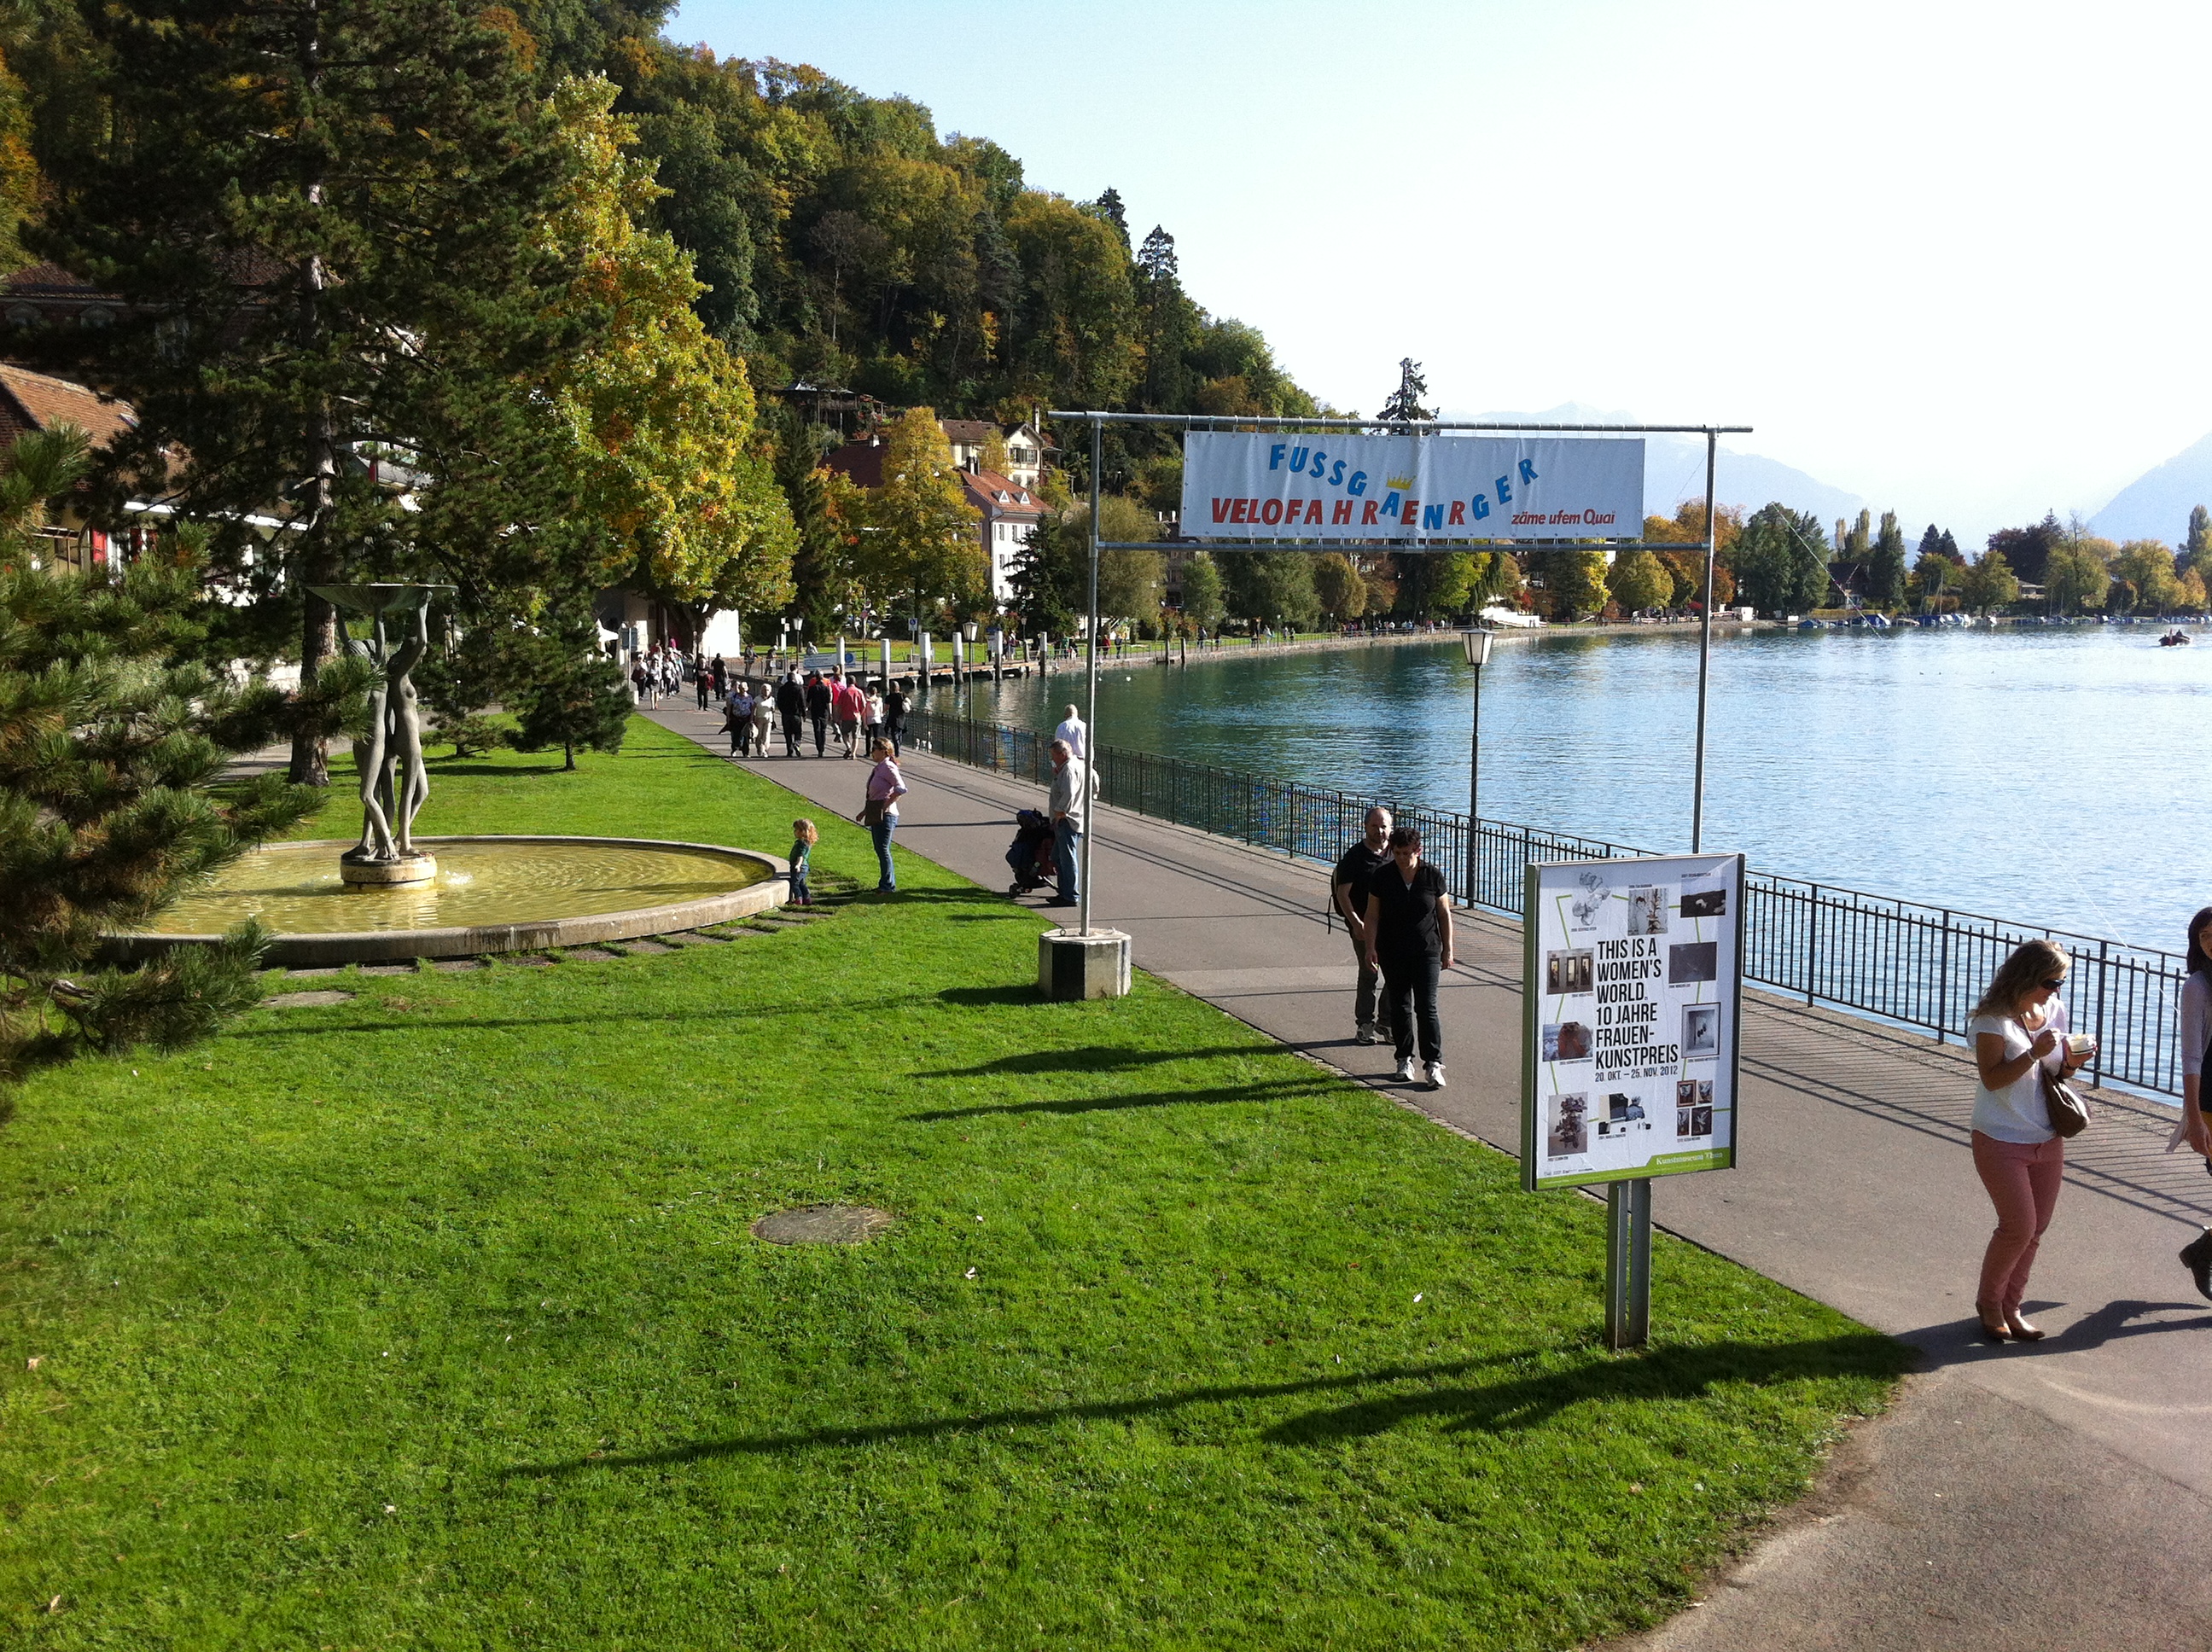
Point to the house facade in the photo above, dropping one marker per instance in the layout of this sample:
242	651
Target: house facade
1025	448
1008	507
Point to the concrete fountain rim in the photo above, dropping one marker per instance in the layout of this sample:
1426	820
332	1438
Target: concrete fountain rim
469	940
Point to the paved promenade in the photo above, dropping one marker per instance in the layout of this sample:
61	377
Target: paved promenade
2053	1497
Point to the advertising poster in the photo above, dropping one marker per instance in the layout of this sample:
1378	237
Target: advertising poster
1263	485
1633	988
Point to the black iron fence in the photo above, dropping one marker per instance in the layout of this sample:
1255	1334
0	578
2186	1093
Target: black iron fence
1921	966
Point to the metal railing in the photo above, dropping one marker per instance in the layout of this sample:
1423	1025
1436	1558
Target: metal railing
1900	961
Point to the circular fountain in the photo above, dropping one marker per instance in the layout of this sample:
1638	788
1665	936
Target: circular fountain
389	897
488	895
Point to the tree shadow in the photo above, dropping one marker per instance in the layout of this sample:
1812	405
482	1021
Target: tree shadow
1089	1057
464	766
1227	1095
1511	1406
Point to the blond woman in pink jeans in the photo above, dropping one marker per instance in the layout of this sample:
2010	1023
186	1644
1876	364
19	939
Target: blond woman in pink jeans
2018	1027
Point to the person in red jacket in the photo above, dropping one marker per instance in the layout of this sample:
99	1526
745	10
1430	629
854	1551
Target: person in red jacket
846	706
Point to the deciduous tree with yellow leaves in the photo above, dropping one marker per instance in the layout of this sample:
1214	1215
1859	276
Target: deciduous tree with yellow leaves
660	413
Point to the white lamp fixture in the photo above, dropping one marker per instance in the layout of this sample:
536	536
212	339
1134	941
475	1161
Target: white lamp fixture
1477	642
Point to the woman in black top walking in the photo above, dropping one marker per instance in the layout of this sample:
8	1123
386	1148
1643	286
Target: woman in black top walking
1409	938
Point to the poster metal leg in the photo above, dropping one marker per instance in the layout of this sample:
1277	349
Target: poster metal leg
1628	1263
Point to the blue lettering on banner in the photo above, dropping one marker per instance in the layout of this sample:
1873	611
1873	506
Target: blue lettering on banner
1298	459
1527	472
1358	485
1390	505
1479	505
1275	456
1505	490
1336	476
1432	518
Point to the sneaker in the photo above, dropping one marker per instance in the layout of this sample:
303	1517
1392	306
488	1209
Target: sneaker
1365	1034
1435	1075
1404	1069
2197	1257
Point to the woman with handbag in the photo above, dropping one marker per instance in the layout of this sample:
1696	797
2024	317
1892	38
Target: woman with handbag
2195	1034
2022	1050
879	814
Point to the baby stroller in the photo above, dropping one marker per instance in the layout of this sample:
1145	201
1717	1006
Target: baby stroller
1030	852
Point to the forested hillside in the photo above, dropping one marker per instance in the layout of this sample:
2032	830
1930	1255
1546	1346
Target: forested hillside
841	238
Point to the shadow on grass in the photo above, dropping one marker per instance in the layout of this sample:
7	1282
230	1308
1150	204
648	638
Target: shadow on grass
1509	1406
511	771
1270	1089
977	996
1091	1058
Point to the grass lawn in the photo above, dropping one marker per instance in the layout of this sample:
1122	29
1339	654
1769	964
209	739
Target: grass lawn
433	1319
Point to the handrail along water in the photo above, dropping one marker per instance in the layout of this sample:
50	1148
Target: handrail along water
1900	961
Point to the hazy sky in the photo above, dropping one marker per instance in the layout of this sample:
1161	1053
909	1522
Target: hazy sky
1949	255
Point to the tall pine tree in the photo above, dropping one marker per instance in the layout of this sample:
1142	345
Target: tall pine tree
327	216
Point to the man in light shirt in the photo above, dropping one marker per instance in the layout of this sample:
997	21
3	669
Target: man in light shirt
1070	780
1074	730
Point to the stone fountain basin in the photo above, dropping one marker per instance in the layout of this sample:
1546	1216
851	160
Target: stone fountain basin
632	887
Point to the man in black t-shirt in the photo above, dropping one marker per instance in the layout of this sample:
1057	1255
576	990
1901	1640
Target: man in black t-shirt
1409	935
1348	889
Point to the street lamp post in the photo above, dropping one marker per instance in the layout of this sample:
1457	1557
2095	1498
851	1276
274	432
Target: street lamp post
1476	640
968	632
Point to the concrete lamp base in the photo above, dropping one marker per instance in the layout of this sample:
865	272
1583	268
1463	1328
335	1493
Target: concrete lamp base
1074	965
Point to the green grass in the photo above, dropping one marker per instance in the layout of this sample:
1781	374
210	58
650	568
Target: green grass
433	1319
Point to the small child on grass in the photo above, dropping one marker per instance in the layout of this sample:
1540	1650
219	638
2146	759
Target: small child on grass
803	839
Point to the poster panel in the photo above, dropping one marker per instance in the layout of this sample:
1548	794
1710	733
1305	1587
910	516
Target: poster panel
1633	988
1264	485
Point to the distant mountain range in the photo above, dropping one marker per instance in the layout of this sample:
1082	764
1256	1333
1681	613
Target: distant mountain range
1674	469
2157	504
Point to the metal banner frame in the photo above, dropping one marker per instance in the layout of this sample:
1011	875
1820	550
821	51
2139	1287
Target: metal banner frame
1629	1217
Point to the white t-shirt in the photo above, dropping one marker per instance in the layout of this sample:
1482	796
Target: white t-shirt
1073	731
2016	1113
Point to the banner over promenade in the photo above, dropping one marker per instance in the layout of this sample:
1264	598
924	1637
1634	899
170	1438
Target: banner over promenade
1263	485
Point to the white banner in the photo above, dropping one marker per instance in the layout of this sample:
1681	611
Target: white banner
1245	485
1634	988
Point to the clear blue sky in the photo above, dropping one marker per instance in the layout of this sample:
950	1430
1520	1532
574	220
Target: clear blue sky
1947	256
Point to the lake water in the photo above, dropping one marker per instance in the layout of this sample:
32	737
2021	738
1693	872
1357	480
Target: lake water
2052	775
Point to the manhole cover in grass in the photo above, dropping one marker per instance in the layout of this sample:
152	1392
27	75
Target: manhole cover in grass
823	1225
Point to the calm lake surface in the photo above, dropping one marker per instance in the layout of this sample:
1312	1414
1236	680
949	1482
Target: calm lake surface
2058	775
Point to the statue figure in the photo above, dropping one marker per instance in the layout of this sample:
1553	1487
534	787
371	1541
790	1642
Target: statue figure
372	754
385	853
404	710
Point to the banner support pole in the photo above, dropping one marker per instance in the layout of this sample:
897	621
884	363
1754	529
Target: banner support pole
1090	691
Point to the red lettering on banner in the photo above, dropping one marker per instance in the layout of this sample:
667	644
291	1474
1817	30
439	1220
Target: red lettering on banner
1411	513
1340	514
1221	508
1272	511
1367	514
1458	514
1313	512
1237	511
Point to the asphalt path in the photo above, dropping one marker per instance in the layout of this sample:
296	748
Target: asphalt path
2056	1495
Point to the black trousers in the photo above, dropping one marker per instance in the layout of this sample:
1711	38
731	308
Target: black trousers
1409	987
821	732
791	734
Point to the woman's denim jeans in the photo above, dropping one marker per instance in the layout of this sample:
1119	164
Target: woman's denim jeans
881	833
